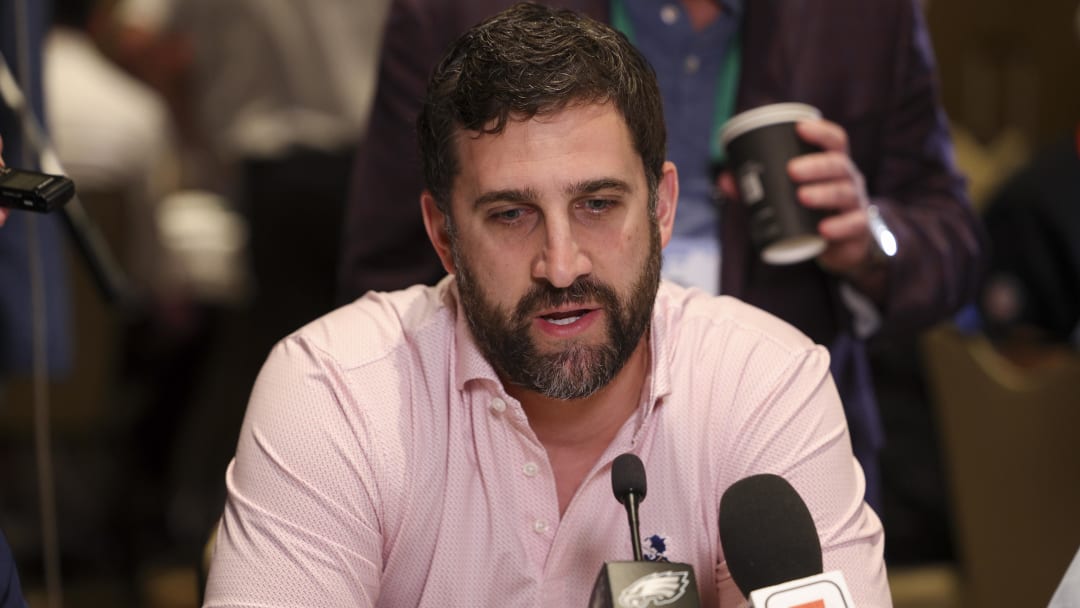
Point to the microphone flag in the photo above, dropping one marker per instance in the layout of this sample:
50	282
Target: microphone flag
827	590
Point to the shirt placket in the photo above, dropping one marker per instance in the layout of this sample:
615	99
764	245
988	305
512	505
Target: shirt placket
523	468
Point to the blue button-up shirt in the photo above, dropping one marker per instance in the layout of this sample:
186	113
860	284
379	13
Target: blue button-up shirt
688	64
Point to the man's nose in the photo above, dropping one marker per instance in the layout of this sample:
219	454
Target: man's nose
562	259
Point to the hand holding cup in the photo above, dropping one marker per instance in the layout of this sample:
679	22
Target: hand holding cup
806	198
829	182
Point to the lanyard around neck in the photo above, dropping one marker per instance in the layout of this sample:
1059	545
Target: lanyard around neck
727	81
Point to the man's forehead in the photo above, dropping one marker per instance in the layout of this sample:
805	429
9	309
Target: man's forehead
596	134
565	123
497	126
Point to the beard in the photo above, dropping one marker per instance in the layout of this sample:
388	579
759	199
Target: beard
579	369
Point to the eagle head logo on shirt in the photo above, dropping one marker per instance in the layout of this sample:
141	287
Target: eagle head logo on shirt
656	589
655	548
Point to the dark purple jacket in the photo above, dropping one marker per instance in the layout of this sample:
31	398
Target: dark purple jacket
867	64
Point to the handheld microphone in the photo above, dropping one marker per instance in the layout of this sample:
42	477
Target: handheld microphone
772	547
640	584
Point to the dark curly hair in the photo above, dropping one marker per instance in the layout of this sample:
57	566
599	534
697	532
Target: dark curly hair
531	60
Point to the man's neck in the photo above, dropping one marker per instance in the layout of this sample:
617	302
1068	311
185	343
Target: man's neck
576	433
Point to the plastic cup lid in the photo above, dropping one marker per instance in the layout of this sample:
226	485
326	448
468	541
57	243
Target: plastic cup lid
764	116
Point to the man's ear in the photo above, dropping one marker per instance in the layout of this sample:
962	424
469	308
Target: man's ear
667	199
435	222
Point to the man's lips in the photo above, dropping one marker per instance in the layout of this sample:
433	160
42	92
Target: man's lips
566	317
567	321
565	314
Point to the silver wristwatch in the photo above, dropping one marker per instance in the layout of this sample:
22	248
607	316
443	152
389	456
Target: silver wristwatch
879	230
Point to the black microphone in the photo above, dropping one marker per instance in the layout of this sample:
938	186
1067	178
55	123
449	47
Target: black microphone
772	548
640	583
628	484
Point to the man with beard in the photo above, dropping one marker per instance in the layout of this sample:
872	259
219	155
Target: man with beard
452	445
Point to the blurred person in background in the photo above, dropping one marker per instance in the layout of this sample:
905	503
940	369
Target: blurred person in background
114	136
270	99
1033	289
113	133
32	256
1032	295
867	66
110	135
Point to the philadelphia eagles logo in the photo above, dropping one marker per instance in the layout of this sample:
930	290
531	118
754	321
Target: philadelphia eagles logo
656	589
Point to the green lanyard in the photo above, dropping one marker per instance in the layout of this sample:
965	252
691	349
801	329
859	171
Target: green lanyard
727	81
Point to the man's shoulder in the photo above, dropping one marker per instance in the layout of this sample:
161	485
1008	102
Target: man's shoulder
378	324
691	314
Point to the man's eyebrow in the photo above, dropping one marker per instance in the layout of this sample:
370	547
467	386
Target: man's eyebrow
596	185
529	195
509	195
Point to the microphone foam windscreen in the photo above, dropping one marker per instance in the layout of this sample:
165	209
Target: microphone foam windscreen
767	533
628	476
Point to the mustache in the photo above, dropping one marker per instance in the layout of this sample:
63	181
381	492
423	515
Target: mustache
545	295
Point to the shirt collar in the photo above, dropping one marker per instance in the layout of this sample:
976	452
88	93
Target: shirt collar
468	361
659	379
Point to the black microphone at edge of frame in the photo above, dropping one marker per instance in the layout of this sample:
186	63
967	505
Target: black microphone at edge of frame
772	547
640	583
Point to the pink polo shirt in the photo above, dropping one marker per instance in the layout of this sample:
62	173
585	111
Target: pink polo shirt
381	463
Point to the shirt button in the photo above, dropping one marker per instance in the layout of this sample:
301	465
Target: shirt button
540	526
530	469
669	14
692	63
497	405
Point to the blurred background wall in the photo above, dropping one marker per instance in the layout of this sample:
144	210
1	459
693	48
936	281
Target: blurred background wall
1010	79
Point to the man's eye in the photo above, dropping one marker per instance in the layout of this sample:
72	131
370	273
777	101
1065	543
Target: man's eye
598	204
508	215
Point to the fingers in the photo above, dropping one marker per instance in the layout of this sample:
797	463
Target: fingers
727	186
820	166
833	162
844	226
827	135
835	195
828	180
